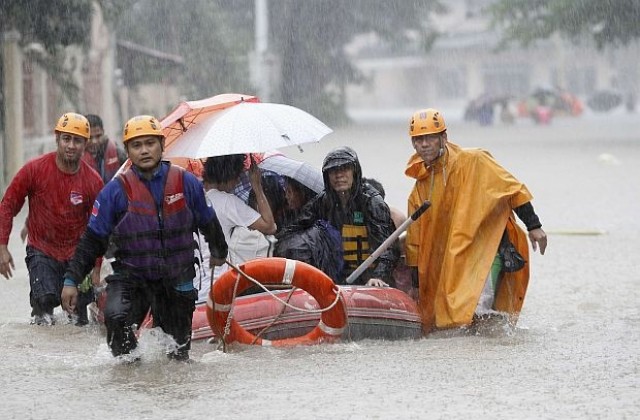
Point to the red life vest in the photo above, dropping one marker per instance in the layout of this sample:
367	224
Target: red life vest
155	242
110	162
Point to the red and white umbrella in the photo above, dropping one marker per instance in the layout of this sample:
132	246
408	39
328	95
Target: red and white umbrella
247	127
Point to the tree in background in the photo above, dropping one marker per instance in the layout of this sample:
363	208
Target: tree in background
46	27
215	37
212	37
311	36
607	22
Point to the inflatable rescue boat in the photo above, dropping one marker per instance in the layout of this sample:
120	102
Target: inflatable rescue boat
307	308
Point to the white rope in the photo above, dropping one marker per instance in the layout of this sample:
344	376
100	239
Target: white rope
295	308
227	326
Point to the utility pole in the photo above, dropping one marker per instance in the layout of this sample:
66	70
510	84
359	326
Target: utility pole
262	71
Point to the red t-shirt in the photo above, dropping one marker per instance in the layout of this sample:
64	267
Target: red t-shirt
59	205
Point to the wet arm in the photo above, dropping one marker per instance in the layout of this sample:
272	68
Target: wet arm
266	223
95	239
537	236
205	217
13	201
380	230
90	247
214	236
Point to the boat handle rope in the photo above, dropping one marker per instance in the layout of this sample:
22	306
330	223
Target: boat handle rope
227	326
274	320
295	308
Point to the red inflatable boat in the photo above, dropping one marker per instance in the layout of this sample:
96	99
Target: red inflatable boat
372	312
348	312
312	310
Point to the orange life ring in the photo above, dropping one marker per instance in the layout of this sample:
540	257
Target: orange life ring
277	271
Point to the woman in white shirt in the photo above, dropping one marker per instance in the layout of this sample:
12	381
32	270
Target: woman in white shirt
221	175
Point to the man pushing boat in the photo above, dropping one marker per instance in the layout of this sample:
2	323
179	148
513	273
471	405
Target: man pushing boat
151	211
469	257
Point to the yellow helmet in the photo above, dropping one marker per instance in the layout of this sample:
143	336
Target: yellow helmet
426	121
73	123
142	125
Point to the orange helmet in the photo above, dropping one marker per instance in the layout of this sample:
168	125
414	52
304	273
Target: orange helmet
426	121
142	125
73	123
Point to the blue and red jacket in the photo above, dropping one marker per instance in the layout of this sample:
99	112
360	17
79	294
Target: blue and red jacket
155	241
152	222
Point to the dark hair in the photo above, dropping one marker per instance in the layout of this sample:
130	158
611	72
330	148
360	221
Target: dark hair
375	184
272	190
94	120
219	169
306	192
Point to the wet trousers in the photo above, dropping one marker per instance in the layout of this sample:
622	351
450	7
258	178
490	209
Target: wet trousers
129	301
46	279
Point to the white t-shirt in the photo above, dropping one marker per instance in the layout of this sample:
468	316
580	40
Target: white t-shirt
232	213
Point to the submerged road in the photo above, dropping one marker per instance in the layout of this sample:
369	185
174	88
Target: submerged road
574	353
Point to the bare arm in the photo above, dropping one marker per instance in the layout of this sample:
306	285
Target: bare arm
6	262
266	223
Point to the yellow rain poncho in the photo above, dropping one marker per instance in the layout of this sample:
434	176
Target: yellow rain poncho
455	242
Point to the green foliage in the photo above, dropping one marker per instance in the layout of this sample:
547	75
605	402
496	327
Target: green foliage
53	24
214	39
607	22
204	33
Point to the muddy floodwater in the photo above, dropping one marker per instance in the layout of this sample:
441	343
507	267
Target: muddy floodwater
574	353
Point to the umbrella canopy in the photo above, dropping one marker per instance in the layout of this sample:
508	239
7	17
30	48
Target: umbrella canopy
278	164
192	113
302	172
248	127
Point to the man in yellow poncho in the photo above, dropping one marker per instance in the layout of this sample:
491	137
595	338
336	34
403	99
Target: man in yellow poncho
468	255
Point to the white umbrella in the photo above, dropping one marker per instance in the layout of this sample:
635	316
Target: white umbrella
302	172
248	127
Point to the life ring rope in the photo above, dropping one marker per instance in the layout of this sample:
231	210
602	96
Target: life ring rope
222	299
287	278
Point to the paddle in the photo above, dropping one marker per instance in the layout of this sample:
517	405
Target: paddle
383	247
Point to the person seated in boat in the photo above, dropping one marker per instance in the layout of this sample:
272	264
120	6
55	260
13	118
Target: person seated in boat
297	195
247	243
397	215
221	175
467	253
402	272
358	212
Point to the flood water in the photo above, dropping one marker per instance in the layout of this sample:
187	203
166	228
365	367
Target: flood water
574	353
